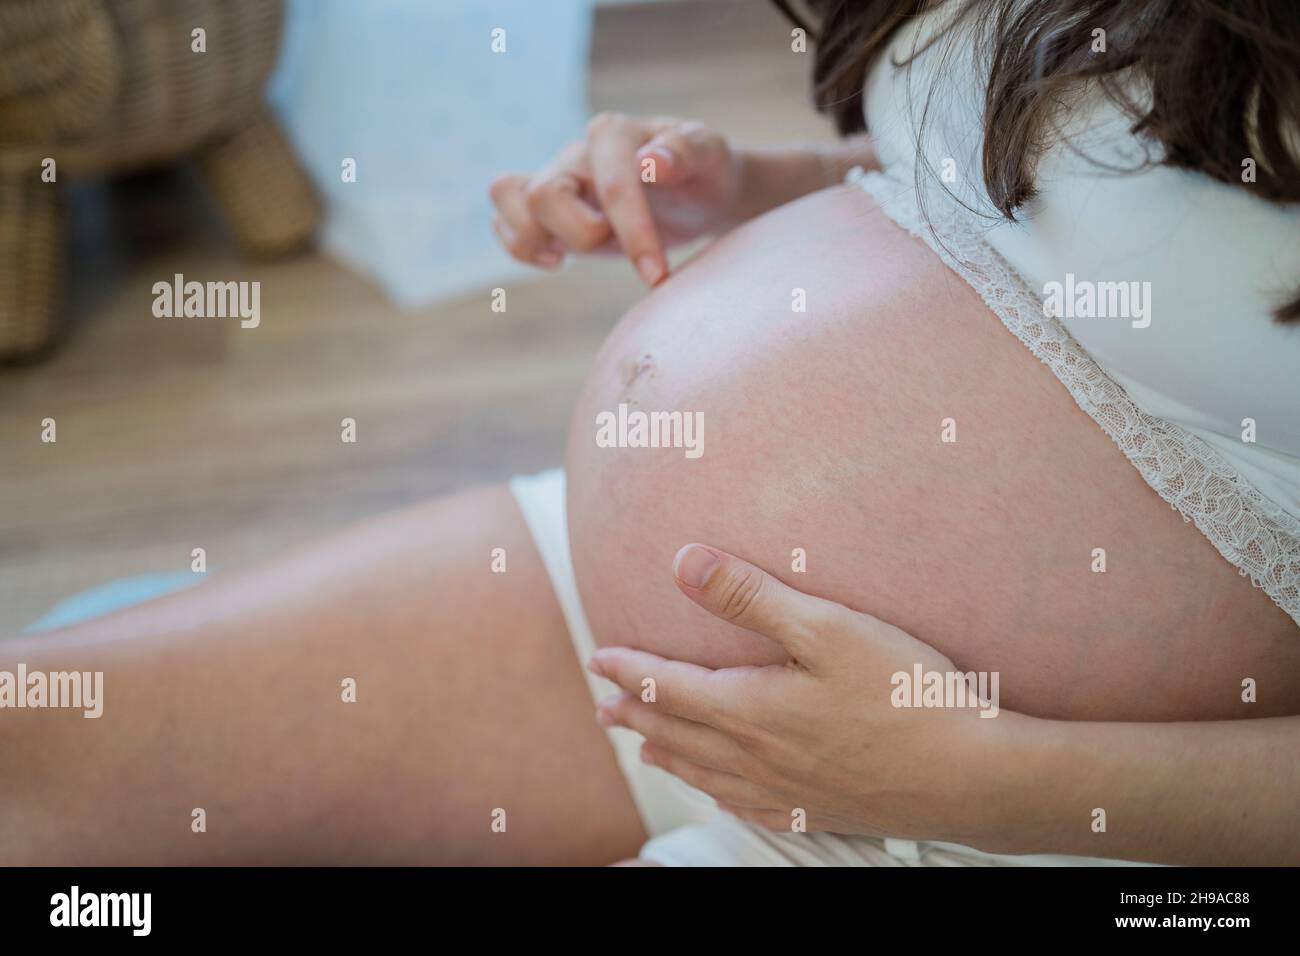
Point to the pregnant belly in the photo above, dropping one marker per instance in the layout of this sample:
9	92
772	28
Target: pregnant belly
826	355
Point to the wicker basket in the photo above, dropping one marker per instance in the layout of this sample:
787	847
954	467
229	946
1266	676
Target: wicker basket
107	86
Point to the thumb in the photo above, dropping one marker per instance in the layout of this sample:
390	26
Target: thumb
749	597
669	161
680	153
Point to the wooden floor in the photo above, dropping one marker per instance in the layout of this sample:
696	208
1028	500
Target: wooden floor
173	436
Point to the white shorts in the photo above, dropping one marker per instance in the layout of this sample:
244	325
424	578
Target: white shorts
685	825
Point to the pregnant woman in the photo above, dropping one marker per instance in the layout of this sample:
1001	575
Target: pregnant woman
1024	388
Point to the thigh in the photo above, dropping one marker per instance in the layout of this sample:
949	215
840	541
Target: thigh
824	437
470	708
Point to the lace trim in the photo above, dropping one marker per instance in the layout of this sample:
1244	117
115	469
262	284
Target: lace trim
1251	531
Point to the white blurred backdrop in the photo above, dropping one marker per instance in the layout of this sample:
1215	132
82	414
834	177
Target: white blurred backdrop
413	92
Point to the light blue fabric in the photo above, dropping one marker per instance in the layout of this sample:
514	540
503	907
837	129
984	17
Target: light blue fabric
113	597
413	92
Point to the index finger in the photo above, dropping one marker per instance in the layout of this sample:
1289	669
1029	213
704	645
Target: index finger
683	690
612	144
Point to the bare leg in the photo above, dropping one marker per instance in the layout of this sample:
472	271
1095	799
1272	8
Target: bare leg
228	698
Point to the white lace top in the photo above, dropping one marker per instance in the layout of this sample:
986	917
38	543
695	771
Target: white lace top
1149	293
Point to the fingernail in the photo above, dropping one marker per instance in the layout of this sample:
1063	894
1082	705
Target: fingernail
650	269
604	717
664	154
593	665
694	565
547	258
647	757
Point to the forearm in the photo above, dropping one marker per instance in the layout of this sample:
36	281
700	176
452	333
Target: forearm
771	177
1225	792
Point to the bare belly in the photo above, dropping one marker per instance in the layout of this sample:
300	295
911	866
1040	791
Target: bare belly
822	432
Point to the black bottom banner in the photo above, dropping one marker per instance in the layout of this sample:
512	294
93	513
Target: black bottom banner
332	905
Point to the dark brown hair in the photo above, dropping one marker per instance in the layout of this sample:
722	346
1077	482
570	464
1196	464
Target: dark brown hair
1222	76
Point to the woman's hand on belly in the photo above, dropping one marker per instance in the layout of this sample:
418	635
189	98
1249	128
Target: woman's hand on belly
635	184
850	735
640	184
867	730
